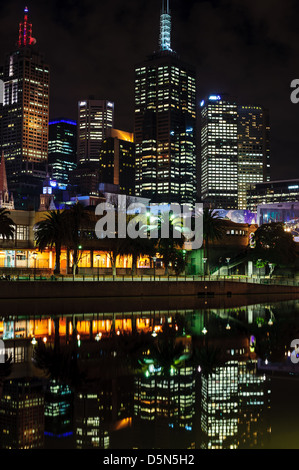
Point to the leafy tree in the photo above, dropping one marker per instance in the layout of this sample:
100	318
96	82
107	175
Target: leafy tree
273	245
213	229
7	226
170	247
52	232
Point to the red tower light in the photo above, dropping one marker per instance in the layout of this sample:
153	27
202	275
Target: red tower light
25	32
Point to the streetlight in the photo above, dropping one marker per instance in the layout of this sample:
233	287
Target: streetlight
204	265
228	260
98	258
34	256
154	260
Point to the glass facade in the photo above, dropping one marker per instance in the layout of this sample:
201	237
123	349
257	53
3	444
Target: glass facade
165	130
62	149
235	151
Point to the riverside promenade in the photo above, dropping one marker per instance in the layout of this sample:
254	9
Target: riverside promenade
122	287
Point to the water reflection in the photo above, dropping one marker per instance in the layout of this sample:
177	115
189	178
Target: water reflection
173	378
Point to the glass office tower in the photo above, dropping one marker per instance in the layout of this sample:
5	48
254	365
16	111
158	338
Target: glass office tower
25	113
165	124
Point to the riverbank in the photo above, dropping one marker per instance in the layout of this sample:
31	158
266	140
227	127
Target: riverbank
138	289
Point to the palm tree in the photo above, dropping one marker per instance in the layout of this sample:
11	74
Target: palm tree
78	218
170	248
136	248
51	232
7	226
213	229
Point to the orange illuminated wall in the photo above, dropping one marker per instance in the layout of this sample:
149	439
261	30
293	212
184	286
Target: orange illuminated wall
35	110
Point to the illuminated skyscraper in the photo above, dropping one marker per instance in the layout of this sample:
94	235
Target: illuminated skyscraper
165	123
253	150
117	161
94	118
25	113
235	151
62	149
219	152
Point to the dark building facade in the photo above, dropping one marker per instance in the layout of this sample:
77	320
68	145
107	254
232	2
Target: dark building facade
117	161
272	192
165	124
25	114
22	414
62	156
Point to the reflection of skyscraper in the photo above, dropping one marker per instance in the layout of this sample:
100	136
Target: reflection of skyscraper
22	415
102	410
234	406
25	113
166	396
58	410
165	124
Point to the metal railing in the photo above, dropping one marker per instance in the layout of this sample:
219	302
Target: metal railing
153	278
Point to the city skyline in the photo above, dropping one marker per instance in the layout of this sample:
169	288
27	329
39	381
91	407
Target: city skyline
260	56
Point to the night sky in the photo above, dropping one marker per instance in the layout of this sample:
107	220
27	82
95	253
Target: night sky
248	48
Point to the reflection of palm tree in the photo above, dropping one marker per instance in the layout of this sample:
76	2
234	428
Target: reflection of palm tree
7	226
59	363
208	358
167	351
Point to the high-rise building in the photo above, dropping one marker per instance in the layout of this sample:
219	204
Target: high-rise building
25	113
94	118
235	151
165	123
219	152
253	149
117	161
62	149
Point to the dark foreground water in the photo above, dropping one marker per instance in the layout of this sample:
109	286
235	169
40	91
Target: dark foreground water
150	374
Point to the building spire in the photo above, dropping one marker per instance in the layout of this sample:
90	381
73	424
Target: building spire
25	32
165	27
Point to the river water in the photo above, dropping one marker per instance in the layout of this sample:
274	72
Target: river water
156	373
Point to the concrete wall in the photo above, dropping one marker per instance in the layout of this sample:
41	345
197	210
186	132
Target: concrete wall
120	289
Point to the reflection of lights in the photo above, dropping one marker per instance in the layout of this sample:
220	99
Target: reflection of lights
34	342
118	332
270	322
204	331
45	339
199	369
98	337
266	362
154	334
228	327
